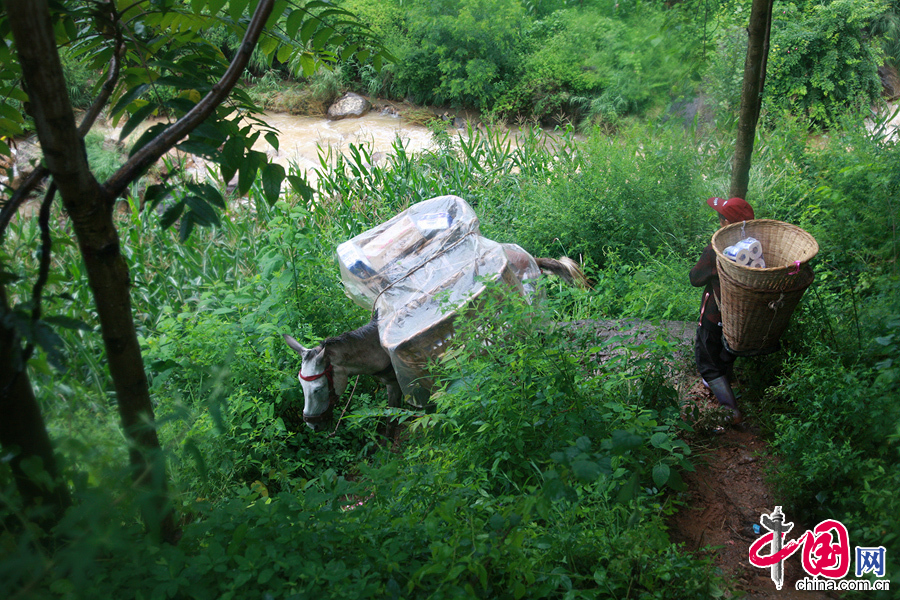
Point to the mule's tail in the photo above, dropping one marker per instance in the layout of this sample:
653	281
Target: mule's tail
565	268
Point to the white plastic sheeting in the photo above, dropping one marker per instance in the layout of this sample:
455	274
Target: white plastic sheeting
418	270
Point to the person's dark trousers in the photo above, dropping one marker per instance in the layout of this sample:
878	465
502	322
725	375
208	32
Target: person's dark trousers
715	365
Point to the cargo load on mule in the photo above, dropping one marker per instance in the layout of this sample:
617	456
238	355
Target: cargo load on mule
757	303
418	271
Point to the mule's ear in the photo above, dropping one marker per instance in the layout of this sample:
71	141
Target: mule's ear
295	345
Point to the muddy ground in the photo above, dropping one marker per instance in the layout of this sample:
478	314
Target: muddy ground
729	491
726	496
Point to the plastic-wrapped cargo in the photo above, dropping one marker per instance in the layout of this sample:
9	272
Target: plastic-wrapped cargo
418	270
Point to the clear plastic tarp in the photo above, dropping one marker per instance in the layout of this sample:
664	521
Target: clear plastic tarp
419	270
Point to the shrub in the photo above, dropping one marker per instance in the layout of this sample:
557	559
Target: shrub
462	53
598	66
822	60
838	440
639	191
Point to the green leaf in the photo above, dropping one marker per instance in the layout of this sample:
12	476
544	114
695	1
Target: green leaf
208	193
272	138
658	439
154	194
191	448
306	32
284	53
623	441
267	47
272	176
7	277
10	113
236	8
321	38
676	482
215	6
68	323
294	20
171	214
201	212
232	155
147	137
187	226
199	147
47	339
136	119
248	169
129	97
349	51
660	474
301	186
629	491
586	470
308	64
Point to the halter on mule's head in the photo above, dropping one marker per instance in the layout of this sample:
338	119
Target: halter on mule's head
317	380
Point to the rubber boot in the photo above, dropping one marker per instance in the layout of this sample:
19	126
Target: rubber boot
724	394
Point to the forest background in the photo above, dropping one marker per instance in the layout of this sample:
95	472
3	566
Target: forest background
549	475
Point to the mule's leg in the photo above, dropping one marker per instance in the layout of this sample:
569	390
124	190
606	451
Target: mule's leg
395	395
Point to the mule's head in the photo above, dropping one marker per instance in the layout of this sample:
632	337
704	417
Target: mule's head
317	380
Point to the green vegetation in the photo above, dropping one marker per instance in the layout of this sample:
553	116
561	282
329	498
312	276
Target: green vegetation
591	62
598	61
542	473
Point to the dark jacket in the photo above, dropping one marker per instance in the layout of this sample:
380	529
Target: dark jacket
704	274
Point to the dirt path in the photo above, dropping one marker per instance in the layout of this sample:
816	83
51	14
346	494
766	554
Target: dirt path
726	496
728	492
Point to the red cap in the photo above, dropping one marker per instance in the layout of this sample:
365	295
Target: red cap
733	209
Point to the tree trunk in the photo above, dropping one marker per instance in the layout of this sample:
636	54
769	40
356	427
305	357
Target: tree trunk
751	94
90	210
22	430
90	207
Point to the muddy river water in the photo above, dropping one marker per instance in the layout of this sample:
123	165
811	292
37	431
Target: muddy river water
301	137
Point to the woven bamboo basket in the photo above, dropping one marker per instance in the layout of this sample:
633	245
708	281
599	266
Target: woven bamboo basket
757	304
754	320
786	249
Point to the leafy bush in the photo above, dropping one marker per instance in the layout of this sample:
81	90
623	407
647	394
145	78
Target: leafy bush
515	388
640	191
544	472
463	53
852	205
596	67
839	439
821	59
724	75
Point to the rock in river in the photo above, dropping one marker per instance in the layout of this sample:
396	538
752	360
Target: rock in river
348	105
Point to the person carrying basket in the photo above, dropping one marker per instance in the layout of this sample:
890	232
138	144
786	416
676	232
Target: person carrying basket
714	362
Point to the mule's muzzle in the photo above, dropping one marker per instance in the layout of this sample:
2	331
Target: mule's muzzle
318	422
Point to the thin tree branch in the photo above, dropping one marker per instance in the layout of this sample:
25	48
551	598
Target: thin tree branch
20	196
163	142
112	78
44	266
